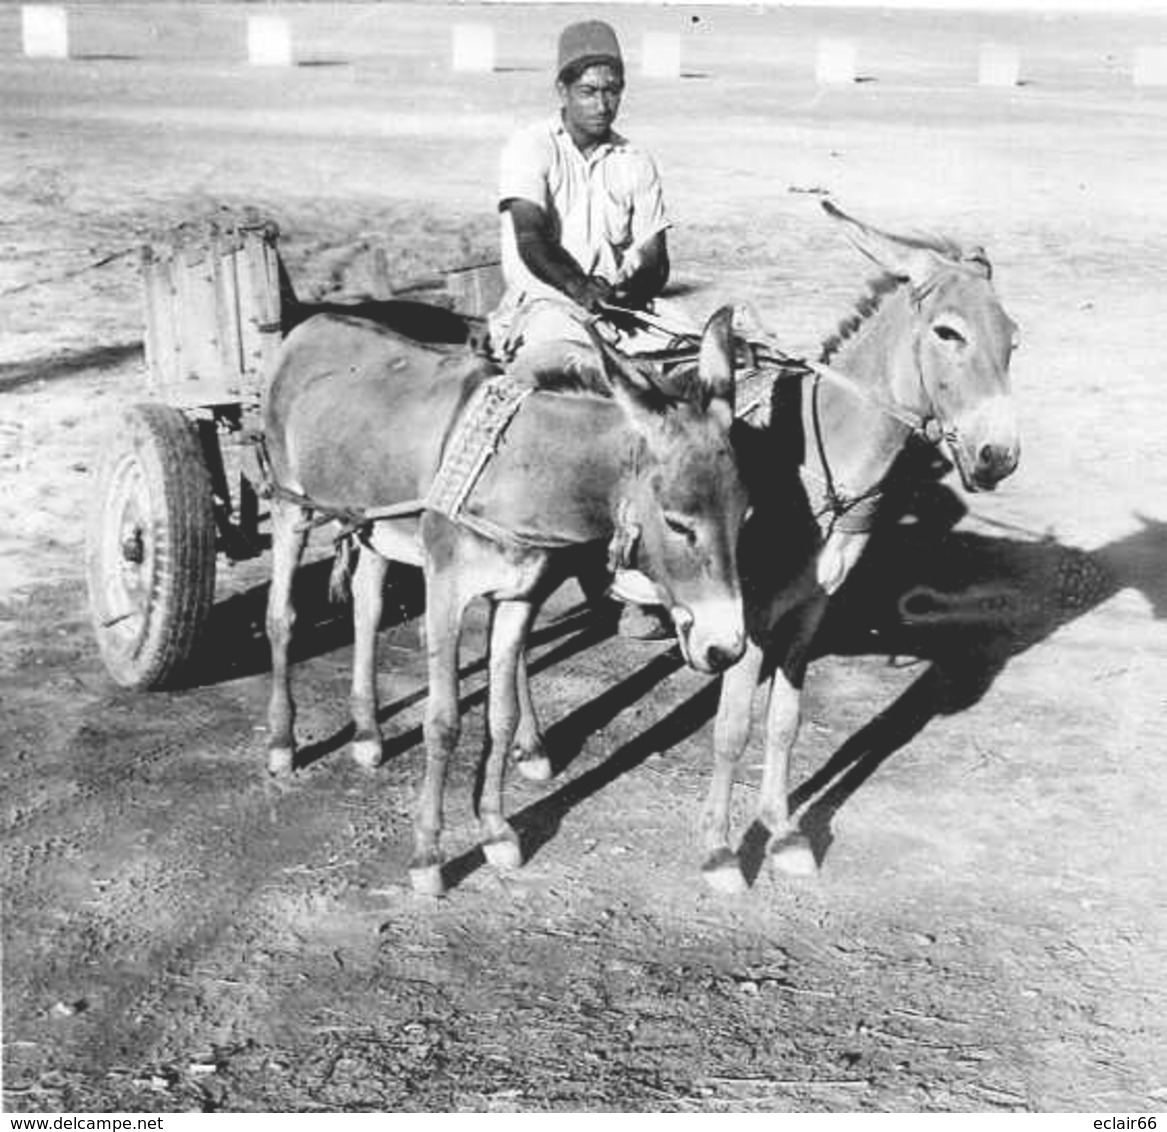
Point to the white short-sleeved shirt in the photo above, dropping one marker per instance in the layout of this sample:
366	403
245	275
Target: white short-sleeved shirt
601	207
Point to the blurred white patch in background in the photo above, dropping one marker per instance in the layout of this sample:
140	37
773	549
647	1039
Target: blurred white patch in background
269	41
835	61
661	58
473	47
1000	65
1150	66
44	31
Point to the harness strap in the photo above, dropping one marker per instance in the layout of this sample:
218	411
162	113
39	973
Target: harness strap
922	426
763	350
495	532
622	548
839	510
355	520
475	440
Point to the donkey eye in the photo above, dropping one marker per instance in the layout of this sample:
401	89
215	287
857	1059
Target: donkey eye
947	333
681	528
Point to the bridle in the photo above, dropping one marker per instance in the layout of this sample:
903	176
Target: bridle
839	509
855	511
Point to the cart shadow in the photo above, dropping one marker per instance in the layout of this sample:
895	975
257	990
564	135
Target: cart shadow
16	375
962	603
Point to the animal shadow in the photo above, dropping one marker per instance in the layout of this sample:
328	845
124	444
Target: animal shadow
966	603
235	643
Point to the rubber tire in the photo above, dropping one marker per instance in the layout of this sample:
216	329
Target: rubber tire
150	550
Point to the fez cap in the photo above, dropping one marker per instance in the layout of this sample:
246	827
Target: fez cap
591	41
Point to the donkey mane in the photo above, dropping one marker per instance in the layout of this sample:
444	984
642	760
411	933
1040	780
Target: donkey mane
865	306
584	379
879	288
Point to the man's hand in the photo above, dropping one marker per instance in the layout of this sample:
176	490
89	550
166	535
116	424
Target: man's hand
547	260
644	274
594	294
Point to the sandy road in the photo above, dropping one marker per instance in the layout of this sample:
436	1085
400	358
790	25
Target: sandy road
986	933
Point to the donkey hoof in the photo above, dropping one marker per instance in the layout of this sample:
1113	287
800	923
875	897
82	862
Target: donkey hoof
534	768
723	873
503	852
427	880
367	753
280	760
792	856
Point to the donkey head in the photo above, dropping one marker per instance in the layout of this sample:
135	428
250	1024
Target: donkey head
954	365
684	498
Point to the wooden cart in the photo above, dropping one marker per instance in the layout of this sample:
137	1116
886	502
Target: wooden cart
179	481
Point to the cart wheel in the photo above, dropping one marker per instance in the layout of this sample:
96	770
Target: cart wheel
151	547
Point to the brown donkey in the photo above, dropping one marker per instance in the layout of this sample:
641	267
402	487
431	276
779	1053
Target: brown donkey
927	353
356	421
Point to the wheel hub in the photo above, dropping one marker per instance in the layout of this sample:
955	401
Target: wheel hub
134	547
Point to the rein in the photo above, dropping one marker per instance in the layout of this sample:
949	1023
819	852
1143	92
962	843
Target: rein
855	513
847	512
452	485
351	519
763	351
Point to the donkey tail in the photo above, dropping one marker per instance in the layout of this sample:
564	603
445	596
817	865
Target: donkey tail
339	581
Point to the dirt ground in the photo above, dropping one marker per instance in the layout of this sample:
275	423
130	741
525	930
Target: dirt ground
180	933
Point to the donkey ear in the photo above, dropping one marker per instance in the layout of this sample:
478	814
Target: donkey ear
715	361
631	387
978	259
894	254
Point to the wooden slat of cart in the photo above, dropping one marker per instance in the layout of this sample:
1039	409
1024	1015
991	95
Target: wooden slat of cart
223	256
200	328
212	313
259	304
163	363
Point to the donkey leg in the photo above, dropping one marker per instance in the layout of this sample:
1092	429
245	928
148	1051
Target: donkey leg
731	731
443	620
528	753
508	638
288	538
367	589
789	849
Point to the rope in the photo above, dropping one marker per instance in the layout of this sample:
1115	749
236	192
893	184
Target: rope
474	442
766	350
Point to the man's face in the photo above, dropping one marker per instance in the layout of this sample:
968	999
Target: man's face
591	103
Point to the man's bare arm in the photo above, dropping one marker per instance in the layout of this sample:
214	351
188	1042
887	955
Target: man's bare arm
548	261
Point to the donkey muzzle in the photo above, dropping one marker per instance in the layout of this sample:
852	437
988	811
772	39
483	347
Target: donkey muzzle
712	638
987	447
